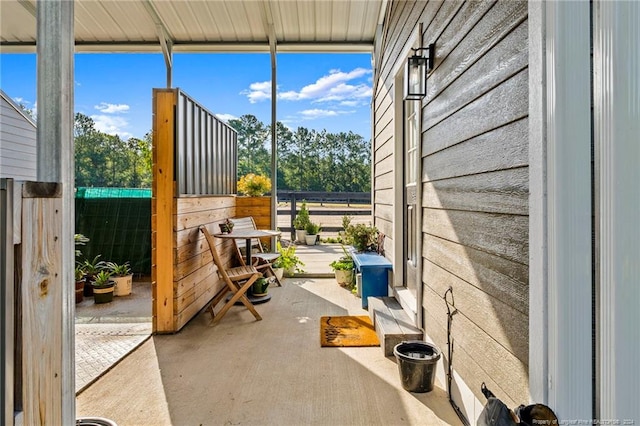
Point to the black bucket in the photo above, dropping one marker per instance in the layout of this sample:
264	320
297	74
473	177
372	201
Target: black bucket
417	361
94	421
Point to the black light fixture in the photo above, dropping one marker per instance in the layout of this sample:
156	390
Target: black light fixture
415	86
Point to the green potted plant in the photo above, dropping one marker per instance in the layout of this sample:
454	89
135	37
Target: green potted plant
80	280
103	287
343	269
122	276
259	287
301	221
91	268
288	260
227	226
312	233
79	240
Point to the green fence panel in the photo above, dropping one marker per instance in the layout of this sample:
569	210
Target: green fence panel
118	226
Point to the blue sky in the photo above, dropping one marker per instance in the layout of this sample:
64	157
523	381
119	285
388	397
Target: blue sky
316	91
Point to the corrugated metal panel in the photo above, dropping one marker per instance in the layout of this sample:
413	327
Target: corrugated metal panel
205	151
203	25
17	23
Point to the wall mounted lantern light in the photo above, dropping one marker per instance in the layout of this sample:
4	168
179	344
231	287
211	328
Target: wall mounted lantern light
415	86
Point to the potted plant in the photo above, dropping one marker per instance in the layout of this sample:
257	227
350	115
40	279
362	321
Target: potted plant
91	268
343	269
80	280
254	185
288	260
103	287
259	287
79	240
312	233
301	221
362	237
226	227
122	276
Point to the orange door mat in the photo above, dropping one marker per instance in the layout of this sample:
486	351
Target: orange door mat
347	331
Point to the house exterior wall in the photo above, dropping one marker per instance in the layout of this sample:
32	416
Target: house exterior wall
17	142
474	181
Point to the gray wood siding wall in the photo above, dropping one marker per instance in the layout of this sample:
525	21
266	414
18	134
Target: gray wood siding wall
474	180
17	143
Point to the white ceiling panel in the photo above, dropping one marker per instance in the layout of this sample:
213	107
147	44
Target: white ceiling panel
17	22
198	25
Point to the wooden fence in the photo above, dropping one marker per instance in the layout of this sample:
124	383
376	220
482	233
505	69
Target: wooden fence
360	199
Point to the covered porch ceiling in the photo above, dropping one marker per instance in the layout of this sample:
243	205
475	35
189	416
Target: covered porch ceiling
205	26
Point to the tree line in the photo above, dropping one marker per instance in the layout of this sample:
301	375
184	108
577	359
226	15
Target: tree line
104	160
308	160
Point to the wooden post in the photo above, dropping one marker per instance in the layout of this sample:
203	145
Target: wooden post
293	215
162	210
7	303
43	288
48	246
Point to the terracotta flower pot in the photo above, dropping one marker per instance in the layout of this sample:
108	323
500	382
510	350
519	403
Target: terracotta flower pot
80	291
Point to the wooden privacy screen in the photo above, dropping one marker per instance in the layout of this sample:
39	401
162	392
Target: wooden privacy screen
194	181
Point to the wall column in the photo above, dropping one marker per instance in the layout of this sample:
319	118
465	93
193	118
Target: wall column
560	277
55	153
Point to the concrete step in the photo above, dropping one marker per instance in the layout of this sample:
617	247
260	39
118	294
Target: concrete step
391	322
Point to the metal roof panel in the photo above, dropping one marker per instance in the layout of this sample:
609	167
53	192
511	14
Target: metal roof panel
197	25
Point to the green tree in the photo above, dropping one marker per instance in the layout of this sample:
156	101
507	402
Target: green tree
107	160
253	139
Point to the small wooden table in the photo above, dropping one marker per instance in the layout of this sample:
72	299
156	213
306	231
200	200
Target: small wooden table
248	235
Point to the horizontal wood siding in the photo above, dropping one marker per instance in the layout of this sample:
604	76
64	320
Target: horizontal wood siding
474	180
258	207
195	279
18	158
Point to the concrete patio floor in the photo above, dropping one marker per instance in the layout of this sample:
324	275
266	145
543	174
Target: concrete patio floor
269	372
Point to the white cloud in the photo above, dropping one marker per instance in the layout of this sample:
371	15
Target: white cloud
331	87
226	117
351	103
259	91
311	114
33	106
107	108
112	125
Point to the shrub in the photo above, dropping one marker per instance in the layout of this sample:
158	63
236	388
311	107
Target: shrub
362	237
302	218
312	228
254	185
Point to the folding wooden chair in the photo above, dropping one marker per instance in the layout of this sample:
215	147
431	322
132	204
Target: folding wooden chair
238	280
263	260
